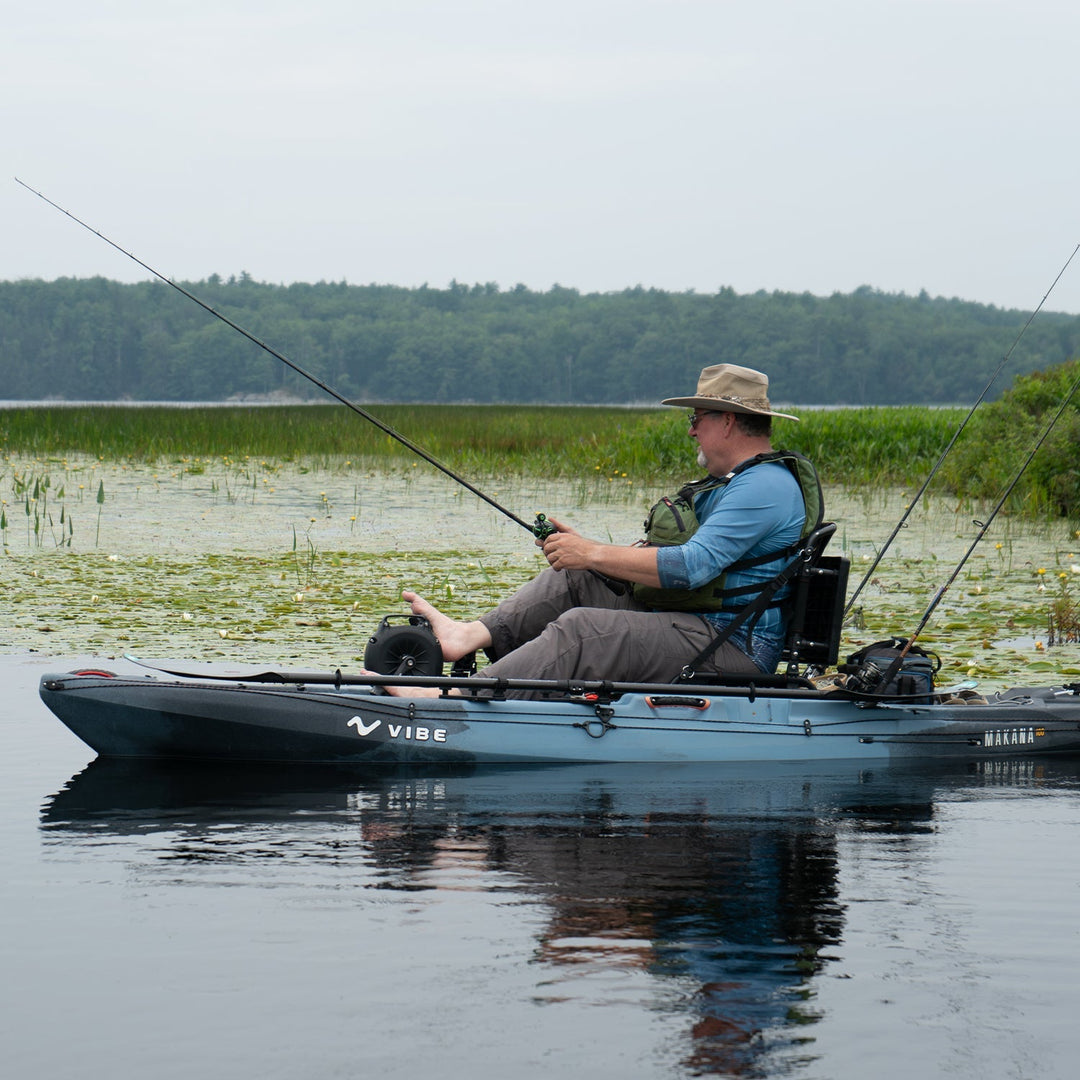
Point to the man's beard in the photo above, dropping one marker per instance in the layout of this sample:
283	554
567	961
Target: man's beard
701	457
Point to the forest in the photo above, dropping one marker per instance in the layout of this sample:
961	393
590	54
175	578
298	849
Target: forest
94	339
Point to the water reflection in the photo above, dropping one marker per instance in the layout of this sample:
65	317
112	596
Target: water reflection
704	891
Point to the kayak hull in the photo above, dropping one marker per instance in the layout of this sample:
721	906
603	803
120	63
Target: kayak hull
207	720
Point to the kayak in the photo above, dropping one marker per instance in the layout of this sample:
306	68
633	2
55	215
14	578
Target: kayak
202	713
880	706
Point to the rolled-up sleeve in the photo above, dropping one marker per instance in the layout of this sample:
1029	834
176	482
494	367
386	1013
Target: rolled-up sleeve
671	566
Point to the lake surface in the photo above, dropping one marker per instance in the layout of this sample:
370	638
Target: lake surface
675	921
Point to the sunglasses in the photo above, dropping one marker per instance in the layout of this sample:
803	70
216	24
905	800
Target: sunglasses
695	418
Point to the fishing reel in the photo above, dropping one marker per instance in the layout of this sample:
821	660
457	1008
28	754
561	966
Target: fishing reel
892	668
406	649
542	528
867	678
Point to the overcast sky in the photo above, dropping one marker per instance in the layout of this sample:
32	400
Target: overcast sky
683	144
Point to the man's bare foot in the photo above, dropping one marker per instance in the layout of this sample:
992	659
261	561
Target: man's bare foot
457	639
397	690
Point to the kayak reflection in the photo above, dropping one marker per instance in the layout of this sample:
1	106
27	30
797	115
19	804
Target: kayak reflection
716	884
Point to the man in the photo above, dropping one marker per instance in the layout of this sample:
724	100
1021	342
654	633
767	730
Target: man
687	584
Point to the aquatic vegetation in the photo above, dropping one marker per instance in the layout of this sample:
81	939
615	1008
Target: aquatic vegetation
304	567
321	547
43	520
100	503
1063	615
290	572
624	446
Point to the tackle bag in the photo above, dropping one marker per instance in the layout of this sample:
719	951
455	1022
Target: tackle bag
913	681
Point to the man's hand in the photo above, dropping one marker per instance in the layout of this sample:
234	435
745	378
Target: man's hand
567	549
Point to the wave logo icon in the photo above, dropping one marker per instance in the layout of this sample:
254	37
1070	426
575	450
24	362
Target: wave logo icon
362	728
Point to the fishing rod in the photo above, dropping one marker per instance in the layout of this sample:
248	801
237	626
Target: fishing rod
902	523
897	662
540	528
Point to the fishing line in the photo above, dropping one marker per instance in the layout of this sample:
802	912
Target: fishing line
541	528
902	523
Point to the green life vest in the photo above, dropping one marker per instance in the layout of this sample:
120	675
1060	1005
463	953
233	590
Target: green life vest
673	520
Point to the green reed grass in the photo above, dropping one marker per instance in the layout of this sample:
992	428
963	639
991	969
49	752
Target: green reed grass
870	446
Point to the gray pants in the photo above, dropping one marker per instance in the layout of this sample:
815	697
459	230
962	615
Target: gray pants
568	624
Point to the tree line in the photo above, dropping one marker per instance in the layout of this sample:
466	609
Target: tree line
94	339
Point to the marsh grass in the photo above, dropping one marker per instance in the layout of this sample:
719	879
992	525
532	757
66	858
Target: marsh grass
851	446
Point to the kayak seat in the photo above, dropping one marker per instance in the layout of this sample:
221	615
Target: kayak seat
819	589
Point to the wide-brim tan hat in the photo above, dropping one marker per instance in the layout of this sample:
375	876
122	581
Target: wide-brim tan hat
730	388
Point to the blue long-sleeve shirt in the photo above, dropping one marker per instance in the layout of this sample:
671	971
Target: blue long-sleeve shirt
758	511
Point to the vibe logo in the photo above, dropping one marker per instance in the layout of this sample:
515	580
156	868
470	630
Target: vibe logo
399	731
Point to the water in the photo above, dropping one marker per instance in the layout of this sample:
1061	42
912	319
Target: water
514	923
604	922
